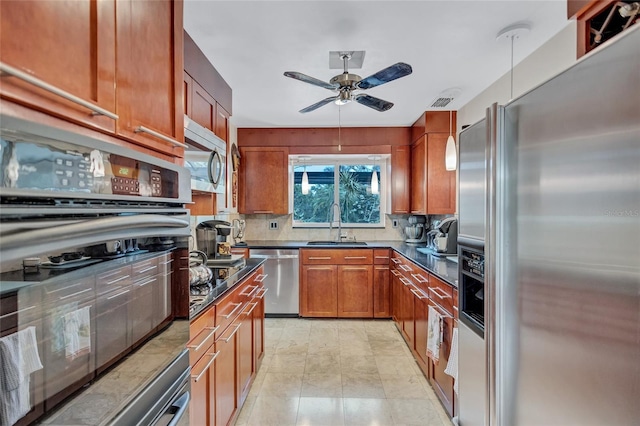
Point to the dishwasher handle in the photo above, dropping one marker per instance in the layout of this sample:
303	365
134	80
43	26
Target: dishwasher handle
267	256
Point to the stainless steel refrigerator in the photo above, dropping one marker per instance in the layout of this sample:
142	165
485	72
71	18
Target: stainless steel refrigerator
549	221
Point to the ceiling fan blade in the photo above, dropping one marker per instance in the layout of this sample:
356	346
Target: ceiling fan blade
319	104
373	102
386	75
306	79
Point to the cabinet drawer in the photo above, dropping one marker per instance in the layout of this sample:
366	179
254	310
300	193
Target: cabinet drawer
228	309
202	334
355	257
319	256
165	264
114	279
381	256
63	292
441	293
144	269
455	303
419	277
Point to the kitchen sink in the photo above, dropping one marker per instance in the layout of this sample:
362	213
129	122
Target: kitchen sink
336	243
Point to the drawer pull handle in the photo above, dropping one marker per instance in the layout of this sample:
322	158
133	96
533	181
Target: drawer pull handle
64	288
263	211
19	311
382	257
355	257
7	69
118	295
319	257
260	277
206	367
405	281
455	308
264	291
252	287
419	294
406	268
440	310
396	261
142	129
147	269
440	293
420	278
147	282
232	334
196	348
119	279
252	308
238	305
396	273
75	294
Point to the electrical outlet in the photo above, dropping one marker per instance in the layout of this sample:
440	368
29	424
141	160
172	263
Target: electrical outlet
394	223
273	224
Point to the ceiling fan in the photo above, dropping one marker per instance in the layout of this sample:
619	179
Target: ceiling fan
346	83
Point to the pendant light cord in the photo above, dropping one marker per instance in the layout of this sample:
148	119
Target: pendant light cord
339	129
512	37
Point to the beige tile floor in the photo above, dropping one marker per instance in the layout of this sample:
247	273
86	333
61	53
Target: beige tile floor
339	372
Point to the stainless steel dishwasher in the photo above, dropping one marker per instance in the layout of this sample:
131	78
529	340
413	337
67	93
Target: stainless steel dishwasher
281	268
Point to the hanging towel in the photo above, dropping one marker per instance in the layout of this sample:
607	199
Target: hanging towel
434	337
18	359
452	365
77	333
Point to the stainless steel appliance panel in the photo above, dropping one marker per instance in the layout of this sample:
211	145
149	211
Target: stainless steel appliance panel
471	377
282	282
472	181
570	353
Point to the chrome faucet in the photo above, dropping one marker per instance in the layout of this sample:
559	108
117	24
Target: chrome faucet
331	217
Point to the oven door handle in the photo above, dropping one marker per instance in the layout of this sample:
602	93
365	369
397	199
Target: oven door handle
179	405
91	227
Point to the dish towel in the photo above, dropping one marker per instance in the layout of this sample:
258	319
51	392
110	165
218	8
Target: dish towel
77	333
18	359
452	365
434	336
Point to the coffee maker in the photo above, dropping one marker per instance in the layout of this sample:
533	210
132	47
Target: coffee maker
444	238
211	237
415	232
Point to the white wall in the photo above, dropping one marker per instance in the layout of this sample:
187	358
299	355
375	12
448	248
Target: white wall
551	58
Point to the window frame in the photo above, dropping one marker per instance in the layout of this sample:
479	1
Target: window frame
337	161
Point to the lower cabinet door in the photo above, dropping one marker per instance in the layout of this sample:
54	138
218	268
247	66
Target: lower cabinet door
421	315
381	292
226	401
396	300
408	325
202	410
319	291
245	352
355	291
258	330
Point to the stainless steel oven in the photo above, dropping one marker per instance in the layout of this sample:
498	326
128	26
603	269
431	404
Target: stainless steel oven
92	328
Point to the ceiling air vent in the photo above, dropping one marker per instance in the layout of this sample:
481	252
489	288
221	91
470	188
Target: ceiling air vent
445	98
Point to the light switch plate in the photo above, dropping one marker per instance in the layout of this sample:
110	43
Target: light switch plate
273	224
394	223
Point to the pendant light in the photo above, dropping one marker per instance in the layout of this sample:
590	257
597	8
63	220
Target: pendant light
511	33
339	127
305	177
450	154
375	187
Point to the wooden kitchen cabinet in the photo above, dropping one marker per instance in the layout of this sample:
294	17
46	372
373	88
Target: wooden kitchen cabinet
51	41
396	298
421	316
264	180
355	291
419	176
319	291
201	411
149	73
336	283
400	179
226	385
433	188
408	313
222	123
443	383
203	107
381	284
73	46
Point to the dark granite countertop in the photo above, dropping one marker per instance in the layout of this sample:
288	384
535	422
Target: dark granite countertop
222	287
444	268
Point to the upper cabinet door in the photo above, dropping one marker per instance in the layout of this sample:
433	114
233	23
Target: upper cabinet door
419	176
400	179
441	184
68	45
264	180
149	74
203	107
222	123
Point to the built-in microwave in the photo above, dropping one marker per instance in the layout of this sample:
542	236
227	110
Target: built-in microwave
205	157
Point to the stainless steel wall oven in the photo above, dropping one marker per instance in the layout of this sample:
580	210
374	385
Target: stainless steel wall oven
93	305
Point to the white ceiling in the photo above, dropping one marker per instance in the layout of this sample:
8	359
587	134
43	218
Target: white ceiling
448	43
